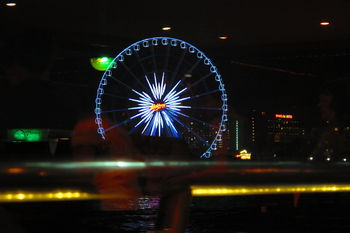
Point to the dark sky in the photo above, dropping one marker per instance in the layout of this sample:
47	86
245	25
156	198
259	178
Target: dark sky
277	40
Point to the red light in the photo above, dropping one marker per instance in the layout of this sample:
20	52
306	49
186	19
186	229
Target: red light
157	106
283	116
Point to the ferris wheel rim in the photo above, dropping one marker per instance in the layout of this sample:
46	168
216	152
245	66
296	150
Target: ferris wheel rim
154	41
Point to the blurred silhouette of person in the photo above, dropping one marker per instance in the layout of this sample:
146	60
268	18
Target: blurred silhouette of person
120	184
27	96
127	185
334	141
168	182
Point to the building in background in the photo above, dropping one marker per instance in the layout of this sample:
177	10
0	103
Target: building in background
277	136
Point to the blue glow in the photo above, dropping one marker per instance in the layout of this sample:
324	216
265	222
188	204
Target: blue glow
164	120
158	122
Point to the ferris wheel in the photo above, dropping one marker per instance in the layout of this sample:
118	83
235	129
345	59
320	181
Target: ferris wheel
164	87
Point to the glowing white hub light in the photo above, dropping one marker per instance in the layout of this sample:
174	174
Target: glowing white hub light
159	111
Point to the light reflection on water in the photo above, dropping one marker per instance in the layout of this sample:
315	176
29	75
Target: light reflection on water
143	220
244	215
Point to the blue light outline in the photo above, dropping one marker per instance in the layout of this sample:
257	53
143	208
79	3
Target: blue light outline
164	42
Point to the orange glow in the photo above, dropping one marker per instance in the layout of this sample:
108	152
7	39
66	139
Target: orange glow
158	106
273	170
15	170
167	28
42	173
223	37
324	23
64	139
11	4
283	116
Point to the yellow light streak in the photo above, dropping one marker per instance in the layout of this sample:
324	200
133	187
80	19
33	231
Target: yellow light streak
62	195
197	191
270	189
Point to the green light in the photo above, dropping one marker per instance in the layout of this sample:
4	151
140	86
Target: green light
19	135
29	135
101	63
237	136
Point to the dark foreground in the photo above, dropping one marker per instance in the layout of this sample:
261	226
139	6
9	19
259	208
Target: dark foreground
321	213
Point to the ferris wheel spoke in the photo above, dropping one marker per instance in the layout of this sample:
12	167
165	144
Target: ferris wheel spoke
146	120
207	108
199	80
117	125
154	60
193	118
168	120
115	96
116	110
189	71
140	62
166	58
178	66
190	130
132	74
205	94
120	82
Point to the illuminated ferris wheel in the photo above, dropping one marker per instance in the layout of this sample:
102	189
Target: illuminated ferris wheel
164	87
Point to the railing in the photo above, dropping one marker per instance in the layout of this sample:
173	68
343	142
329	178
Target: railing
73	180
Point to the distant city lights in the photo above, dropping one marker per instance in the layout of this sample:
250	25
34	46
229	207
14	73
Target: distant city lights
284	116
244	155
167	28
